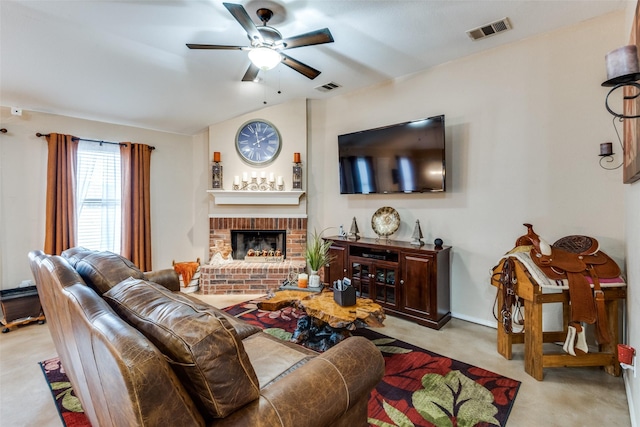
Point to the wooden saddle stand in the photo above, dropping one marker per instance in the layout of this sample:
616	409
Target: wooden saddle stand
591	285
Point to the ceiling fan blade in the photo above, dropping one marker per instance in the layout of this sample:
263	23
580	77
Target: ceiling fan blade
215	46
303	69
241	15
308	39
251	74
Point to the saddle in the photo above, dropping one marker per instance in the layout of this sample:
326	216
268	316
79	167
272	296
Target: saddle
574	259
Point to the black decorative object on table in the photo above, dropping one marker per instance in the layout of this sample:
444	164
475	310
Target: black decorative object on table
438	243
317	335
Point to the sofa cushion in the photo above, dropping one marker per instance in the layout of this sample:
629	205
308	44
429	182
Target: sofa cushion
104	270
204	349
75	254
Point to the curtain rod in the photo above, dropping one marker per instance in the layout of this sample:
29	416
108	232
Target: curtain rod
92	140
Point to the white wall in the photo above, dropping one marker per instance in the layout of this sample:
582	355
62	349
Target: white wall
524	123
23	160
290	119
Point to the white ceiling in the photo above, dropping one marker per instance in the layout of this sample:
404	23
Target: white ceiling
126	62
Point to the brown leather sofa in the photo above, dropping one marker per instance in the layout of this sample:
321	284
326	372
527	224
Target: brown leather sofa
186	363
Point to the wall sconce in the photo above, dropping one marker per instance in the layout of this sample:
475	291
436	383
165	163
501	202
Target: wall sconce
622	70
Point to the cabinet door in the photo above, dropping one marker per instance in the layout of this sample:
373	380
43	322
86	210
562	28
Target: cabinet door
384	282
418	292
337	269
361	278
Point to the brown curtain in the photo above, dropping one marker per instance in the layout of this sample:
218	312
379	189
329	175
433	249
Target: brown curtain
60	221
136	206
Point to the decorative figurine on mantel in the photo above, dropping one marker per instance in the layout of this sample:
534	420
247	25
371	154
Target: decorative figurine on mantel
353	232
417	235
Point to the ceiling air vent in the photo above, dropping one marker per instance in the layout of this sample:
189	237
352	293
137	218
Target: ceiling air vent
489	29
328	86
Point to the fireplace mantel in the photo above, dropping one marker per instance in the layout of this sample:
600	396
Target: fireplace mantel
230	197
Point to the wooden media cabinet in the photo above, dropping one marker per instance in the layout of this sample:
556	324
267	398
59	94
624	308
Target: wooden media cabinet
408	281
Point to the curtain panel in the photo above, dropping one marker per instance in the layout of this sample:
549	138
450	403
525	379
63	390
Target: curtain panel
136	206
60	218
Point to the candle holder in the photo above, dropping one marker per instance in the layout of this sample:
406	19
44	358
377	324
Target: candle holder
216	175
606	155
297	176
256	184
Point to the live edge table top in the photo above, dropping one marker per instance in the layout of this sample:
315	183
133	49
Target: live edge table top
322	306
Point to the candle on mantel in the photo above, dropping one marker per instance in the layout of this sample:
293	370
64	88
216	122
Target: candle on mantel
263	175
245	177
254	174
236	180
296	157
280	180
216	156
271	177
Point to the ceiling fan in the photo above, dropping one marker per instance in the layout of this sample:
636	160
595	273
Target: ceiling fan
267	44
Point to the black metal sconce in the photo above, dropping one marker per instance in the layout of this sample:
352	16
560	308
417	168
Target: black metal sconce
622	71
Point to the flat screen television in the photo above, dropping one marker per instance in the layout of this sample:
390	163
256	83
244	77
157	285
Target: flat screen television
402	158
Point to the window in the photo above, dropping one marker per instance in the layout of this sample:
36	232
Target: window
98	196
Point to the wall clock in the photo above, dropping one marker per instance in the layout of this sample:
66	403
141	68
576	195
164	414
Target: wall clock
258	142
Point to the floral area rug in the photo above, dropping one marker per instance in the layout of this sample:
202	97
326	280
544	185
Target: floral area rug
68	405
419	388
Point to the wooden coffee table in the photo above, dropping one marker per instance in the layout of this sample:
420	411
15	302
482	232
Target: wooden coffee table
327	323
321	306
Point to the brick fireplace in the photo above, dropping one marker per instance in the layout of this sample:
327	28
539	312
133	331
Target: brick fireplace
243	277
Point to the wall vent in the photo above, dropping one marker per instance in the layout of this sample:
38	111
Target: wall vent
489	30
328	86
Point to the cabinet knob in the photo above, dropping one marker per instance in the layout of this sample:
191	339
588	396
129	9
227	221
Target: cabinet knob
401	282
344	270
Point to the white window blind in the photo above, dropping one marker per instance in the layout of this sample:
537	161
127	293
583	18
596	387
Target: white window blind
98	196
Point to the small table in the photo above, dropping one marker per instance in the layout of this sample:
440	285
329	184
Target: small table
332	320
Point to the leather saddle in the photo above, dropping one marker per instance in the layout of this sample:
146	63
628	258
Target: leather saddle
575	258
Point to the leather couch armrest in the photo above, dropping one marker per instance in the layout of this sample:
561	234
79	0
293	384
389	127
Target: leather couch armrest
167	278
318	392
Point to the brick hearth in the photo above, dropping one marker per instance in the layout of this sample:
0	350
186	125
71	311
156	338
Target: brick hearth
241	277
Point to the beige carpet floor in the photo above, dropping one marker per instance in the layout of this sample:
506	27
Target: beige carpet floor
568	397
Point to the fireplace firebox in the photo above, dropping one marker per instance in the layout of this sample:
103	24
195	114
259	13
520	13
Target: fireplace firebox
258	240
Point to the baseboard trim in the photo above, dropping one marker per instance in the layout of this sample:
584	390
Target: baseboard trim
483	322
626	375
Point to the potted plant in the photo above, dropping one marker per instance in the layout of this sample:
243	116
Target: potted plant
317	255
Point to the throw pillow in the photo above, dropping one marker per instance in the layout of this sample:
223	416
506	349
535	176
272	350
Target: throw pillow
204	349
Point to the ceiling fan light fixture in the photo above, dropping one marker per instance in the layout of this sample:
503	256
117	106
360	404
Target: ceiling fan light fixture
264	58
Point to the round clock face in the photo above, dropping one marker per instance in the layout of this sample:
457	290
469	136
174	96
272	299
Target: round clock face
258	142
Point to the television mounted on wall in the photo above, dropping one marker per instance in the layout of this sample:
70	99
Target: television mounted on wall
401	158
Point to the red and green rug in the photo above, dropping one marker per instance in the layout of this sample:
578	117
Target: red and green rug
419	388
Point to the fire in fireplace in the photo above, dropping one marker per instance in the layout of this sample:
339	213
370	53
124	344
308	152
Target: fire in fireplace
258	240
